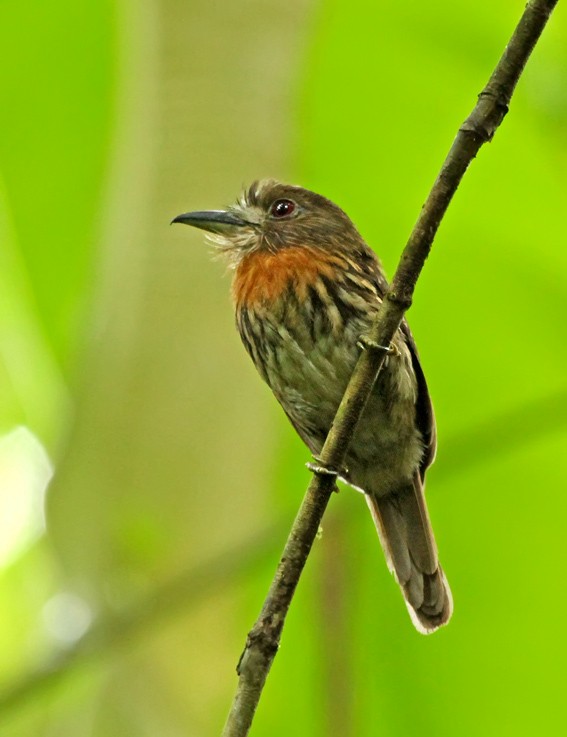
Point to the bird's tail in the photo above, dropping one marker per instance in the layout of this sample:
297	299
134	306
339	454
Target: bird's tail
405	532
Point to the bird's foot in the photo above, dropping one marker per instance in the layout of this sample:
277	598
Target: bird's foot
367	344
320	469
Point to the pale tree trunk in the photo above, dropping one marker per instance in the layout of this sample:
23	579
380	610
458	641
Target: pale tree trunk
168	458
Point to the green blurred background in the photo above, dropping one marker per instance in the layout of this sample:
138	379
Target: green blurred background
127	590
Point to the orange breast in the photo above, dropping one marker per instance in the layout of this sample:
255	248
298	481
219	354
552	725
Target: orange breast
262	277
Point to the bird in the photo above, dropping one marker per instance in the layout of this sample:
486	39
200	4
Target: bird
306	288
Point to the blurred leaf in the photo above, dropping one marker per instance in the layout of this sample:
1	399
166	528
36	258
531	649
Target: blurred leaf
31	386
57	101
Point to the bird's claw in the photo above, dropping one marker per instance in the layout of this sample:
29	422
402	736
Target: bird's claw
320	469
367	344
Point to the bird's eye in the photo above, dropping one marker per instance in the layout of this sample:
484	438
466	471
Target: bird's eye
282	208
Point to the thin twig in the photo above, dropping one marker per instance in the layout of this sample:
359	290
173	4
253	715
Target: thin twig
264	638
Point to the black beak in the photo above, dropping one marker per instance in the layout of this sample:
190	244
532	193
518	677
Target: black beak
215	221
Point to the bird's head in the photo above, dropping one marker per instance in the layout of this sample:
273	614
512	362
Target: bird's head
271	216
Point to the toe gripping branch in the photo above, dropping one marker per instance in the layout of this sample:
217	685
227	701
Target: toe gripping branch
320	469
367	344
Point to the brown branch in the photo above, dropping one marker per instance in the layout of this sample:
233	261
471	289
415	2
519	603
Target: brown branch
264	638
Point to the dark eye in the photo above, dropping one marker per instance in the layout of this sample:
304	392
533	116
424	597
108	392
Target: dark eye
282	208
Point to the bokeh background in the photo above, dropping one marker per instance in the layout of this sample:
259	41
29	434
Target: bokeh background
147	477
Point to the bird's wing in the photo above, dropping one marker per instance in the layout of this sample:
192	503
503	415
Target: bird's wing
425	417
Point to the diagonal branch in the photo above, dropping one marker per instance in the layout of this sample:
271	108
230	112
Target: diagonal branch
264	638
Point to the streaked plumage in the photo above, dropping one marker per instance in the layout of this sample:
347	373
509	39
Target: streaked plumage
305	288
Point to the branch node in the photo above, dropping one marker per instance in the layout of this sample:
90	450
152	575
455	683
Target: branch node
499	98
397	299
260	642
489	112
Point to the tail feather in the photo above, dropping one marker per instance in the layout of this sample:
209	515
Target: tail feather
405	532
